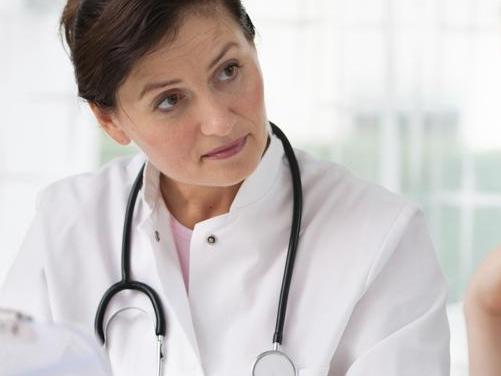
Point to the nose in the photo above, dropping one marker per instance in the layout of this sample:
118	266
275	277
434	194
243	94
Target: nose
216	117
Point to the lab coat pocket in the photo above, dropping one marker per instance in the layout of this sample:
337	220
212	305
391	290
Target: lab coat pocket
130	334
313	371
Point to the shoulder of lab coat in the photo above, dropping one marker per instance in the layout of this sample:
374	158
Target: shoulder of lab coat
76	192
399	324
25	287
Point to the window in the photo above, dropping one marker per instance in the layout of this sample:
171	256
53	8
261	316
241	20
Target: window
404	94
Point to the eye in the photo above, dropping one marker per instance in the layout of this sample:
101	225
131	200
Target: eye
168	102
229	72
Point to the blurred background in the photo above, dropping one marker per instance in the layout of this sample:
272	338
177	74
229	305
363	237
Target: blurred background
403	92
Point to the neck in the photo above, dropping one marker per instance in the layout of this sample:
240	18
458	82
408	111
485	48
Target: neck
191	204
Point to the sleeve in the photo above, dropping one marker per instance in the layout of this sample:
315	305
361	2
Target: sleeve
25	287
399	326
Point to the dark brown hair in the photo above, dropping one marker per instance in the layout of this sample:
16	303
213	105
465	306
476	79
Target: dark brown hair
107	37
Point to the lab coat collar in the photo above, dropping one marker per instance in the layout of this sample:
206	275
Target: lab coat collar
261	180
151	193
252	189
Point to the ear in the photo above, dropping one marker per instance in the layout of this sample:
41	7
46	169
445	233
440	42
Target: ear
109	122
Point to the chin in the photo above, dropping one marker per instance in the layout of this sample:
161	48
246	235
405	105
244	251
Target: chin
229	178
229	181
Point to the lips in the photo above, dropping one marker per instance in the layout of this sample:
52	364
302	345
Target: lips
226	148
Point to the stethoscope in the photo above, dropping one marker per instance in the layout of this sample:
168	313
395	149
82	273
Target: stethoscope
269	363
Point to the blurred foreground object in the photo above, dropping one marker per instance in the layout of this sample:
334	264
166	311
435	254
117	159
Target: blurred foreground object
29	348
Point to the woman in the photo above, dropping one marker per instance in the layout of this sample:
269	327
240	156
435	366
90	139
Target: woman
211	226
483	317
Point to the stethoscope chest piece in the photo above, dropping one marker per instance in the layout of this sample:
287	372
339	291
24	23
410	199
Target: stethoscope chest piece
273	363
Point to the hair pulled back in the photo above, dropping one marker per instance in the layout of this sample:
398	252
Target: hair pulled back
107	37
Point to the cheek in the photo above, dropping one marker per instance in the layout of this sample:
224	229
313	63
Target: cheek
170	143
251	98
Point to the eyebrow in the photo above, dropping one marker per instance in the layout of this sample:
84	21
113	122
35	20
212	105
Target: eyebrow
157	85
223	52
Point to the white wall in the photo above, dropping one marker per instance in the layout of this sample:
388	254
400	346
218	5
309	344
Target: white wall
45	132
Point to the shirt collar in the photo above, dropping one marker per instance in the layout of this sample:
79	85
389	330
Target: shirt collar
252	189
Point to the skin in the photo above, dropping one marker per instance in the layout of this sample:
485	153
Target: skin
483	317
211	106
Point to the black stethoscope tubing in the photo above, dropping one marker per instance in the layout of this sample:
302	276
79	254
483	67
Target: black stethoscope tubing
127	284
297	213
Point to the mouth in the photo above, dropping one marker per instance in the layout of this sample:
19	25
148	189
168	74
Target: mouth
227	150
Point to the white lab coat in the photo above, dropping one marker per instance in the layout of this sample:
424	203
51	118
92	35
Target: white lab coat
367	295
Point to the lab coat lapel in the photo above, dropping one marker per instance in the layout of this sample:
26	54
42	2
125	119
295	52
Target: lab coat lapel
261	180
176	302
154	227
171	279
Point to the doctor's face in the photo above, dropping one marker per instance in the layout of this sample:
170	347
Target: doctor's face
192	96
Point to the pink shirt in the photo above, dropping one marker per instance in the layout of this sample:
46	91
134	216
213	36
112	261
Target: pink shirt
182	239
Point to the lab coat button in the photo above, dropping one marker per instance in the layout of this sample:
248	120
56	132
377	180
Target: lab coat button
157	236
211	240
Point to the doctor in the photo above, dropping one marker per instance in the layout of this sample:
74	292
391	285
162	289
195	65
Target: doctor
211	224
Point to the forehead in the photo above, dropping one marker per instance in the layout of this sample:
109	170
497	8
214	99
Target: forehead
198	39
